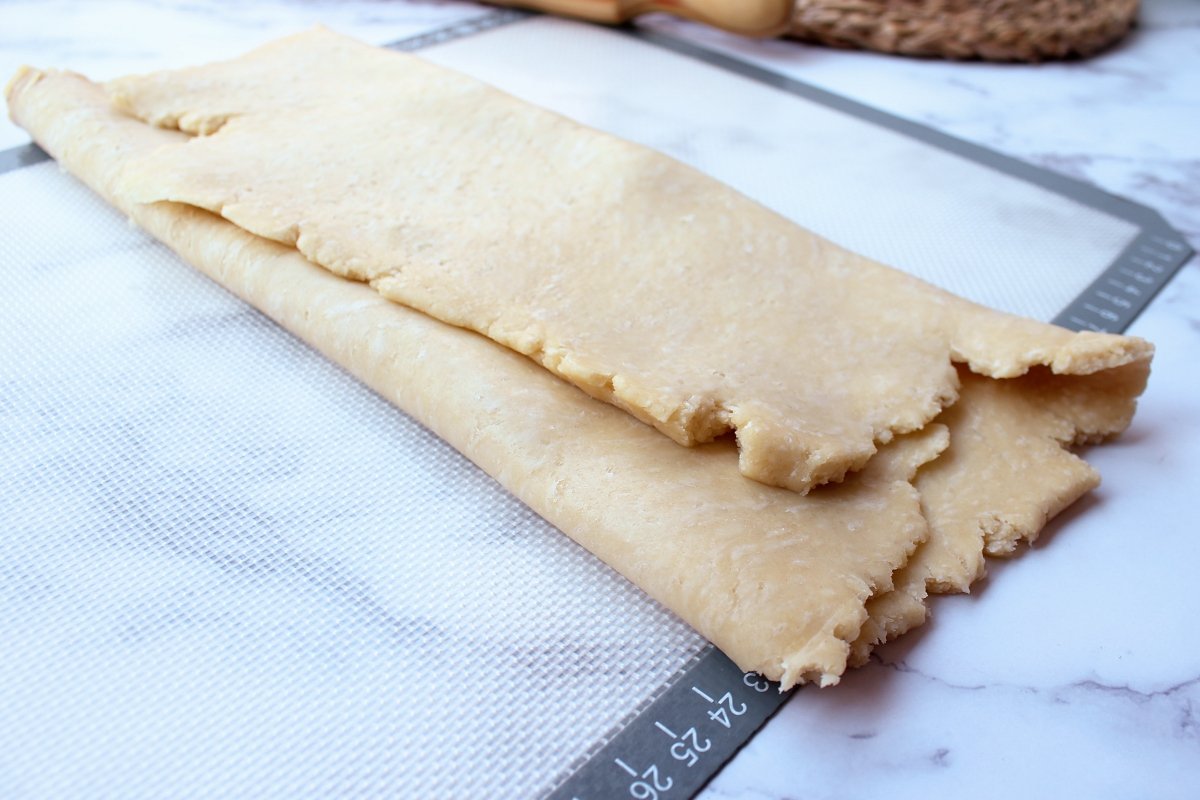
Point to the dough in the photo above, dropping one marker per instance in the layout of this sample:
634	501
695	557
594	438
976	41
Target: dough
640	280
777	580
792	586
1006	473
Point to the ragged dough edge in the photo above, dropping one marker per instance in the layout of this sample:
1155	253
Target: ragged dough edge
982	500
67	116
901	459
890	615
1006	495
774	449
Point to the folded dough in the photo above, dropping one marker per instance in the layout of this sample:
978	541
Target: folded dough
777	580
786	585
640	280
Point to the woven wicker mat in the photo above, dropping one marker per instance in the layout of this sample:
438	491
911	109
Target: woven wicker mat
995	30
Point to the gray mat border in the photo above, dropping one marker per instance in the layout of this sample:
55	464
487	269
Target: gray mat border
25	155
1121	292
1110	303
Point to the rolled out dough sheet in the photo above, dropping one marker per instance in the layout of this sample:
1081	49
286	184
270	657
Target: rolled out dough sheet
640	280
777	580
789	586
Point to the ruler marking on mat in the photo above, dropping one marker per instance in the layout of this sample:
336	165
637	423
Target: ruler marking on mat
670	748
677	743
1126	286
460	30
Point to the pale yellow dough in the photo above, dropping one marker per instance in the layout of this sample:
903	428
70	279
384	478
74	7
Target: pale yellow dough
777	580
640	280
1006	474
792	586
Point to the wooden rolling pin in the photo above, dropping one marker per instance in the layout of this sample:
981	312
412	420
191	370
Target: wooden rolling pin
748	17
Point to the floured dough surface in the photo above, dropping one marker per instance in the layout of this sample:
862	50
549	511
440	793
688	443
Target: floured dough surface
795	587
779	581
640	280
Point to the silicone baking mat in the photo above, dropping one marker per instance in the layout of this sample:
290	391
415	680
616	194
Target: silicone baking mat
228	569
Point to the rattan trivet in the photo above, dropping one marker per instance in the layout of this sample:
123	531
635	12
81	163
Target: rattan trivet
994	30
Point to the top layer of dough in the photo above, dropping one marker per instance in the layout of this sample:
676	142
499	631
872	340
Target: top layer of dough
637	278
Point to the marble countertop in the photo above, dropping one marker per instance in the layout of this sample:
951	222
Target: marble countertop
1073	671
